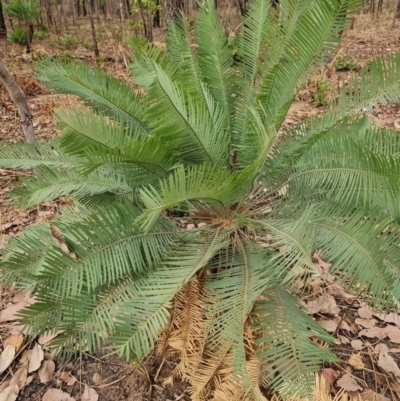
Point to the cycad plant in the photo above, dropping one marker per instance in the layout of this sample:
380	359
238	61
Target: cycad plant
193	213
26	12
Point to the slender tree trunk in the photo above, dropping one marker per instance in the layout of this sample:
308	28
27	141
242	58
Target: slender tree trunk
129	8
156	18
171	10
63	14
95	46
18	97
3	29
240	6
396	14
148	32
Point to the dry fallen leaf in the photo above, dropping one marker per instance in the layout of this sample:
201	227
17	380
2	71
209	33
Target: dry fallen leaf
365	312
20	377
97	378
330	375
388	317
355	360
393	333
10	393
357	345
16	340
329	325
25	356
343	324
387	363
348	383
24	296
67	378
46	371
9	313
89	394
36	358
323	304
4	385
370	395
366	323
54	394
46	338
344	340
374	332
6	357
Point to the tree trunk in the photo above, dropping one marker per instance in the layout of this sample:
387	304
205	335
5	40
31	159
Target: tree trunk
171	10
396	14
3	29
95	46
18	97
148	31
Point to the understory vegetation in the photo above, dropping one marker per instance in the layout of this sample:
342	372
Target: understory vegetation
193	213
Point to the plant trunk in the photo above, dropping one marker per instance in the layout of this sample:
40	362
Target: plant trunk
95	46
3	29
18	97
29	38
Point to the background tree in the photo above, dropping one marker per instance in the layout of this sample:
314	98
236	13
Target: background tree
3	28
171	9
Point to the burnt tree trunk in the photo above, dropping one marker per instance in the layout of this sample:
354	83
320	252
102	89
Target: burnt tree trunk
3	29
18	97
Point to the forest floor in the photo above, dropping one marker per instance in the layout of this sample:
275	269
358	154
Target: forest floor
367	342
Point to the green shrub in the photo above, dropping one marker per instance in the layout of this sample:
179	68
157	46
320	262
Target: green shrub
192	218
67	41
322	92
41	32
343	63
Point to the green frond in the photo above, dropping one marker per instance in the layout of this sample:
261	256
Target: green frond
43	316
294	237
285	351
190	125
87	320
178	45
113	146
379	83
215	57
107	246
95	88
347	171
49	184
24	256
199	182
140	319
23	156
352	242
311	37
230	296
294	144
145	56
256	29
